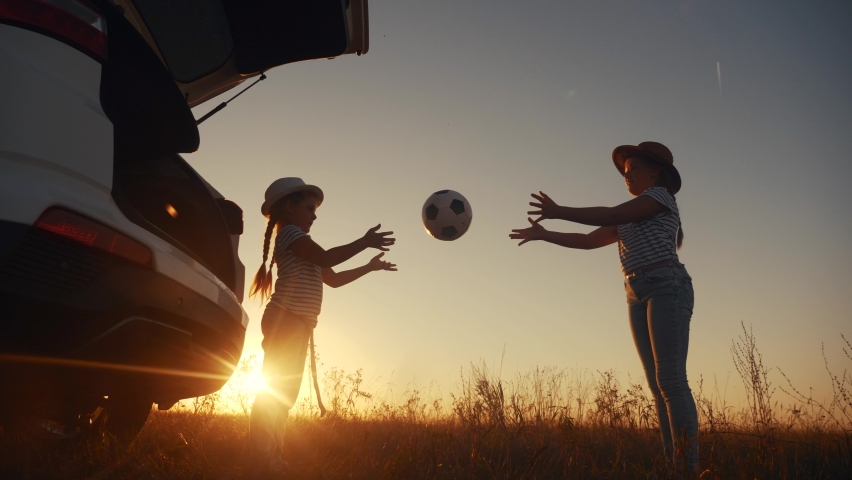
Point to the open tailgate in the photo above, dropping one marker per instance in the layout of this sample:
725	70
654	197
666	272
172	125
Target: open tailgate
210	46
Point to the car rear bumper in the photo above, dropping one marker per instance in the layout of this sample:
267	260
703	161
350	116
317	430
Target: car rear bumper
68	308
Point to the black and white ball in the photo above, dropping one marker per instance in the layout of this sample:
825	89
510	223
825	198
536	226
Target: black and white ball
447	215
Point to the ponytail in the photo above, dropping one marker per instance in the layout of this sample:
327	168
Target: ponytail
262	283
679	238
666	183
263	278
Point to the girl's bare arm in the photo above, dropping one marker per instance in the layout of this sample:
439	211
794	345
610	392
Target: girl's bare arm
306	248
338	279
597	238
639	208
600	237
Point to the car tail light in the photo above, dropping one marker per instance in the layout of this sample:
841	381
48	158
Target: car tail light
71	21
93	234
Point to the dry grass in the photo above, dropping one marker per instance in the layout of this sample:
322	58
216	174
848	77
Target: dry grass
547	423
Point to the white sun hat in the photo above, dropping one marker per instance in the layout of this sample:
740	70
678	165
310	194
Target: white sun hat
285	186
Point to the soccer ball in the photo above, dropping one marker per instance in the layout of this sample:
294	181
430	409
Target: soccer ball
447	215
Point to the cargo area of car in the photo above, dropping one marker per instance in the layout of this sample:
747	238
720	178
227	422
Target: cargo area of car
161	193
152	184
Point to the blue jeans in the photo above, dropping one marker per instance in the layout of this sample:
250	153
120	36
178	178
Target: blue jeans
660	304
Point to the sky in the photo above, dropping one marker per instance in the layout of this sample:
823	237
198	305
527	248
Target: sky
500	99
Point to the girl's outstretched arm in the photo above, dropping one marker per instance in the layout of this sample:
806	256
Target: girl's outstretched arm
338	279
306	248
600	237
631	211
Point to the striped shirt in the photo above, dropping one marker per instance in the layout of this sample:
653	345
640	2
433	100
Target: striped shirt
298	288
651	240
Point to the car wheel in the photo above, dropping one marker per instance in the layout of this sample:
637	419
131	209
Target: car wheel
122	416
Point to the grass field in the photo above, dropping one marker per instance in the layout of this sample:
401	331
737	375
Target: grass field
544	424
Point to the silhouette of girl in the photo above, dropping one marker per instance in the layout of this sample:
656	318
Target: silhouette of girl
291	314
660	297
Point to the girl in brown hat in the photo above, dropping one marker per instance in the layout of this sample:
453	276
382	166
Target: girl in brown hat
659	290
291	314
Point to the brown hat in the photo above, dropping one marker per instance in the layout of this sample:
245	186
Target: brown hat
655	152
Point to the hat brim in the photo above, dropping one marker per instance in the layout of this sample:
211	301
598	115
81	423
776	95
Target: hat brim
312	189
622	153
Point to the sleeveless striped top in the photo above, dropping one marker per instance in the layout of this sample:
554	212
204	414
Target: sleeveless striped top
298	288
652	240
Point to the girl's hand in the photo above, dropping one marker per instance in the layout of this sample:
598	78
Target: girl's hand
547	208
534	232
376	263
375	239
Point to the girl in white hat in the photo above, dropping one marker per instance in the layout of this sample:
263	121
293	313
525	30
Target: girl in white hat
294	305
660	297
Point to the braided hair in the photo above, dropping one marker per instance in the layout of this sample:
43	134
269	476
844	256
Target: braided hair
262	283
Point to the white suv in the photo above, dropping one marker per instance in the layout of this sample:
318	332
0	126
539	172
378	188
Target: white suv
120	282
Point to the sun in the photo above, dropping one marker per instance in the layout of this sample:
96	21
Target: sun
255	381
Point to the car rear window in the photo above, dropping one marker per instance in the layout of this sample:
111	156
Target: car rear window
193	37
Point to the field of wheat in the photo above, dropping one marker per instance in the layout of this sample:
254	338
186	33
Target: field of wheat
544	424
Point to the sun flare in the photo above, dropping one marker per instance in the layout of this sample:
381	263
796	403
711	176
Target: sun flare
255	381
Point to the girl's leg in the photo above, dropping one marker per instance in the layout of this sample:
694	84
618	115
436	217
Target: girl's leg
285	345
261	426
638	315
670	305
